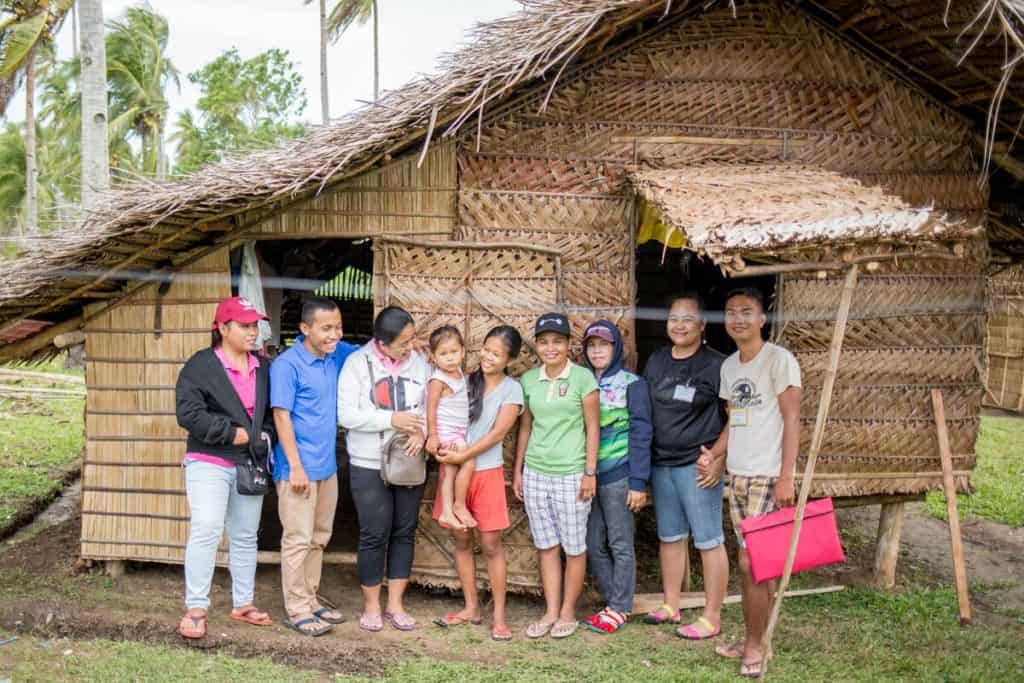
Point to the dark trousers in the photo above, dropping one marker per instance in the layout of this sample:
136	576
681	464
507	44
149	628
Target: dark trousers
610	545
387	525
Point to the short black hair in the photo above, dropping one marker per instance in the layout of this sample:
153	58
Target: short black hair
751	292
444	333
313	304
689	295
389	323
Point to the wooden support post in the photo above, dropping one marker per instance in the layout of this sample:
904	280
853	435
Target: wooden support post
115	568
835	350
887	550
949	486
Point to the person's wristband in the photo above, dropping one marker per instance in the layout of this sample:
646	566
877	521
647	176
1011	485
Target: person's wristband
589	471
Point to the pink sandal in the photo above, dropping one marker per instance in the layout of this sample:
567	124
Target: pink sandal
690	632
663	615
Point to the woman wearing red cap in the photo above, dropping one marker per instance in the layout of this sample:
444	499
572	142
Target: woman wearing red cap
221	399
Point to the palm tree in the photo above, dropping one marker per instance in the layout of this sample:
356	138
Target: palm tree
30	25
344	14
138	73
93	110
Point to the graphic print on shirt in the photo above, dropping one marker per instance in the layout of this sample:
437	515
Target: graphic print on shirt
745	394
392	393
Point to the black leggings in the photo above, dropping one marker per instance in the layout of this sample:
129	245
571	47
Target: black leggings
387	525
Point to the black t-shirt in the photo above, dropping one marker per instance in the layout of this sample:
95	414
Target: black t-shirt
686	410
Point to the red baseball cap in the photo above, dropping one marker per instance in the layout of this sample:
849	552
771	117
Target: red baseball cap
239	309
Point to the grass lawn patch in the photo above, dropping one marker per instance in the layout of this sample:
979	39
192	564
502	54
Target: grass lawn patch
999	477
40	448
34	659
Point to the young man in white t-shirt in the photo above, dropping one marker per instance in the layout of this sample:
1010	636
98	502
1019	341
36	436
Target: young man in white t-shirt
761	382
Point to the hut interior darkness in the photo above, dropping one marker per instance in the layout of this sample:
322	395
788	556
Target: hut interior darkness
551	164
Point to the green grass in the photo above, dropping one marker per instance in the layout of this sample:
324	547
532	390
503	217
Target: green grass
999	477
33	659
40	443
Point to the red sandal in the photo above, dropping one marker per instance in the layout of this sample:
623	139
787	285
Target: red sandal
252	615
192	626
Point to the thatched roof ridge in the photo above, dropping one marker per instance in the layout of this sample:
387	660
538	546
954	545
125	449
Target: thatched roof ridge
728	209
501	58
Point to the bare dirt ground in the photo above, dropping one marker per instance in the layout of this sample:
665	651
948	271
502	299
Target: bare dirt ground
145	604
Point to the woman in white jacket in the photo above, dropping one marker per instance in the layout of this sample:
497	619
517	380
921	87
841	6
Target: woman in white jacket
393	399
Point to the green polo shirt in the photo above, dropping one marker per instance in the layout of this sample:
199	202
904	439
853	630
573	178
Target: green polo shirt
558	437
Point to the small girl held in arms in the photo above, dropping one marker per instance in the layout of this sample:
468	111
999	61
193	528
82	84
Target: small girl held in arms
448	422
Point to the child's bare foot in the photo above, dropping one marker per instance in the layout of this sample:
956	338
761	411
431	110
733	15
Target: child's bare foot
465	517
448	519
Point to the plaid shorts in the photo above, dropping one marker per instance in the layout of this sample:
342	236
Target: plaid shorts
556	514
749	497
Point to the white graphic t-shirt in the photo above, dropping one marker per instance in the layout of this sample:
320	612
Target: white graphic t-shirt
755	421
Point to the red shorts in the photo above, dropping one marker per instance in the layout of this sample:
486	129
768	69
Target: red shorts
485	499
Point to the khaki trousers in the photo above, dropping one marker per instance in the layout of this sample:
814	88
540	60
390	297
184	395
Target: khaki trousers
307	521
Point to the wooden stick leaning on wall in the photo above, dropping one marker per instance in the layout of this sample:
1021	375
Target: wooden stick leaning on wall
818	437
949	487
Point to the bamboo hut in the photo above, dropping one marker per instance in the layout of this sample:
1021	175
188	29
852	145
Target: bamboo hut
590	155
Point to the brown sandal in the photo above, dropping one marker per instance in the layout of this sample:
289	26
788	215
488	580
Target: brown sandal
192	626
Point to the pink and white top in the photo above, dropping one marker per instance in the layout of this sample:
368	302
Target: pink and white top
245	387
452	410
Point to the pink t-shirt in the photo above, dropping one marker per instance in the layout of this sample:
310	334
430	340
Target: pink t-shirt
388	363
245	386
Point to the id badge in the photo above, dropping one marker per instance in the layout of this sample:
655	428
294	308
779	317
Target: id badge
684	392
738	417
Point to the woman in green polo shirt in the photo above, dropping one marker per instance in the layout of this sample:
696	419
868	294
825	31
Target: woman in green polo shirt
555	470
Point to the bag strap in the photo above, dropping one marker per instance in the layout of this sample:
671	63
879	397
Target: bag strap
373	393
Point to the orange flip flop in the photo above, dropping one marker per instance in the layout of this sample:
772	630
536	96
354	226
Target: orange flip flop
252	615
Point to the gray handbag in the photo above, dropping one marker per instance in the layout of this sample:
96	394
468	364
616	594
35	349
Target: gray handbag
397	468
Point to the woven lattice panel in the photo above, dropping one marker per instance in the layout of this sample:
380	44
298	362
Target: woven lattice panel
1005	340
858	464
893	296
860	485
580	250
904	436
539	174
548	212
954	329
946	191
917	365
882	401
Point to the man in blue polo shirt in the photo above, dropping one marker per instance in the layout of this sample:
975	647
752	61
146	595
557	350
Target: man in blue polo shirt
303	394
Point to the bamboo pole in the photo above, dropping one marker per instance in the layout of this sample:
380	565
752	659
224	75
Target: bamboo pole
818	437
949	487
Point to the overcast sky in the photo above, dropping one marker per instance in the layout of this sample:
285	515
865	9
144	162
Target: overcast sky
413	33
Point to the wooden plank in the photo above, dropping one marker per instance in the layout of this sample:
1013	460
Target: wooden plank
887	548
835	350
648	602
949	486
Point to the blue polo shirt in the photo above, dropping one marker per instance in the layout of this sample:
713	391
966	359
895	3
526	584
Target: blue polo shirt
307	387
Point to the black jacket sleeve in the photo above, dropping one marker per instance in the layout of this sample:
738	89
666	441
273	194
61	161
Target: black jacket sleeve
191	409
268	413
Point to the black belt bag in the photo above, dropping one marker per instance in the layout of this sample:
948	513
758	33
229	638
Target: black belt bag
252	478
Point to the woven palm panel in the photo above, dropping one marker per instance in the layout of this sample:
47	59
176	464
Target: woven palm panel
830	464
1006	382
549	212
580	250
900	436
442	261
538	173
885	296
889	366
672	146
434	560
954	329
945	191
598	288
854	485
495	296
1004	337
808	105
879	401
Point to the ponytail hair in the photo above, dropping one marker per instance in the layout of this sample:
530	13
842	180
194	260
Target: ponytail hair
513	342
216	339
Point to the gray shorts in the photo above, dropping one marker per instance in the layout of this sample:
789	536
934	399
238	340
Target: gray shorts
556	513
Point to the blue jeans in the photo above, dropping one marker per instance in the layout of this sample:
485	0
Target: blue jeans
610	545
215	504
682	508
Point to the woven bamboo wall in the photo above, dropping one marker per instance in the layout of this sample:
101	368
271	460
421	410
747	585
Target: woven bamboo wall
1005	340
133	500
398	198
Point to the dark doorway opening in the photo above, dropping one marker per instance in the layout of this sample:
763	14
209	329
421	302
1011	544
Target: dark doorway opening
662	275
291	271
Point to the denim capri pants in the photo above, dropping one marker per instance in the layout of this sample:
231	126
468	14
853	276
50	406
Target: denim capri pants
682	508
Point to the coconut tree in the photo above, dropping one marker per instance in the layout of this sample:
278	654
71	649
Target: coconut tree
27	26
343	15
94	141
138	75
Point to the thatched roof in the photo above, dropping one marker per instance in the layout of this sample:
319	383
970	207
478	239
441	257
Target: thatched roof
143	226
726	209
